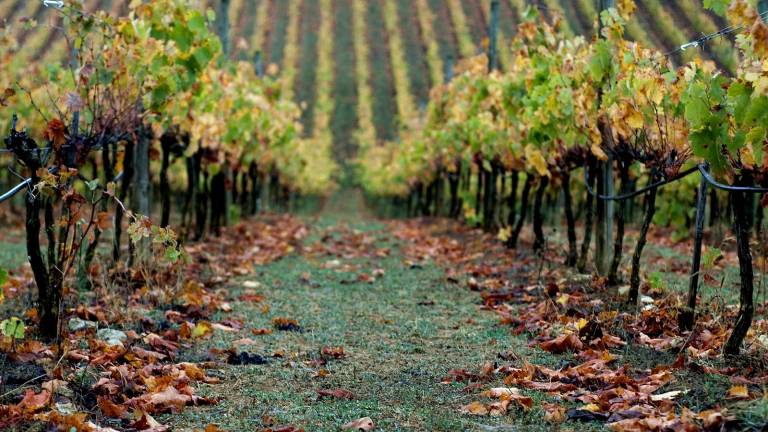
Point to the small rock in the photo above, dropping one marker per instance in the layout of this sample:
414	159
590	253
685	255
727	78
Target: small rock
77	324
112	336
251	284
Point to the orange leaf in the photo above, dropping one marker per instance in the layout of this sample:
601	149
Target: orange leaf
738	392
111	409
33	402
553	413
475	408
561	344
170	398
146	422
335	352
56	132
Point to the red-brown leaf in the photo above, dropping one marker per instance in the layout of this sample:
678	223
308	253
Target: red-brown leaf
336	393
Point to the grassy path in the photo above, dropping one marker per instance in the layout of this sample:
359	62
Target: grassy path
401	335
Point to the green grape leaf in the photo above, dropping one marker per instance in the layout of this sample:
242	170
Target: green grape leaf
12	328
202	56
600	63
182	36
717	6
757	111
704	144
697	112
197	23
172	254
739	96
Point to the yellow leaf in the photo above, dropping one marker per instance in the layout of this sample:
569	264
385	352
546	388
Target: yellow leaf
201	329
536	160
635	120
599	153
738	391
592	407
504	234
747	157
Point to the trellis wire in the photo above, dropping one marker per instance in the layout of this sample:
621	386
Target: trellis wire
25	183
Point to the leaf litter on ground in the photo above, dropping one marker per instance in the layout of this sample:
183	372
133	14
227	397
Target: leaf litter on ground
581	319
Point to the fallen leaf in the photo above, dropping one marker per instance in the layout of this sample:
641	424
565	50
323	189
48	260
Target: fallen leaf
670	395
168	399
738	392
321	373
147	423
111	409
225	328
474	408
244	341
286	324
561	344
554	413
33	402
335	352
361	424
202	329
336	393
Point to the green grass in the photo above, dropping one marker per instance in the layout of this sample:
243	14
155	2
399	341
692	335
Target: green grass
401	334
12	254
